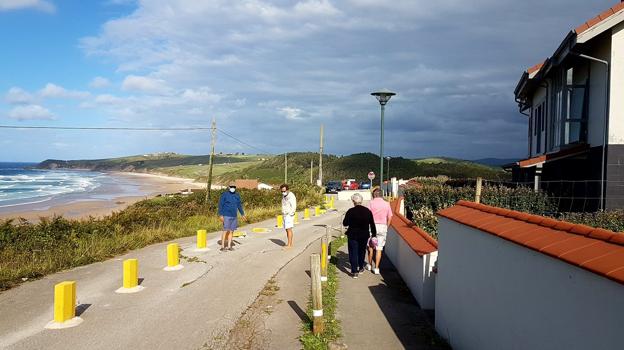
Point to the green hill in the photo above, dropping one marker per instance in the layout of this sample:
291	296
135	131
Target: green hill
357	166
270	169
160	162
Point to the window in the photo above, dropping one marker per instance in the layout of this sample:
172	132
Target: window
569	112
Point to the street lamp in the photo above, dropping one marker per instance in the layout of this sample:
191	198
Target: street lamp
388	159
383	96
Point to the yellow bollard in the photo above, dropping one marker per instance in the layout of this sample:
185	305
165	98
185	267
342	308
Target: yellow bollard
64	306
324	259
130	273
173	257
130	277
201	239
280	221
296	222
306	214
64	301
317	211
331	203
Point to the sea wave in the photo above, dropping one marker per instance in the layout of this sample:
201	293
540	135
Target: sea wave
23	185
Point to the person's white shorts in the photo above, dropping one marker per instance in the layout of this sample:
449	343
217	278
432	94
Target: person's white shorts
382	231
289	221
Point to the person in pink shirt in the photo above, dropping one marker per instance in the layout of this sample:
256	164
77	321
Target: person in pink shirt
382	214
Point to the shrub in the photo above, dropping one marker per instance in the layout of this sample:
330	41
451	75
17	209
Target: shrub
423	201
30	250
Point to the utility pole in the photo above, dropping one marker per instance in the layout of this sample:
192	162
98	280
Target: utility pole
311	171
213	140
286	168
321	159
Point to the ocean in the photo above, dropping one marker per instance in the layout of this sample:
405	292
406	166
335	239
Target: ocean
20	184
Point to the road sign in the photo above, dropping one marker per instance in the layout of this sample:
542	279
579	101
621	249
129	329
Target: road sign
371	175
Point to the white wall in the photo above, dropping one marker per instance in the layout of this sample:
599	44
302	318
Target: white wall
616	112
493	294
346	195
415	270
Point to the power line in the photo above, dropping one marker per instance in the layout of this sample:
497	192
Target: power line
133	129
242	142
101	128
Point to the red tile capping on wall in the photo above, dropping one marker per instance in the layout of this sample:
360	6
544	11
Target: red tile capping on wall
593	249
414	236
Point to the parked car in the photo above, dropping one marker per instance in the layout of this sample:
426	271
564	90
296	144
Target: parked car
350	184
365	185
333	187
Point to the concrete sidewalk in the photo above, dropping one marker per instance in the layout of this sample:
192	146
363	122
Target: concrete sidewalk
378	311
188	309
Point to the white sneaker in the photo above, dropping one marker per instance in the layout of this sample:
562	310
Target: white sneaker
368	267
376	271
355	275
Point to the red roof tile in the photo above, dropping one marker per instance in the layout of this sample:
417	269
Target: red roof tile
535	68
593	249
601	17
420	241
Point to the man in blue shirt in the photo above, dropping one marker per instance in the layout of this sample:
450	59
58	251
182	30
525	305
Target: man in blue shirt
229	206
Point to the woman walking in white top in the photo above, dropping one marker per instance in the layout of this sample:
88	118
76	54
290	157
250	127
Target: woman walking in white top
289	208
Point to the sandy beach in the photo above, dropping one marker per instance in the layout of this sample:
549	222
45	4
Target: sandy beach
127	189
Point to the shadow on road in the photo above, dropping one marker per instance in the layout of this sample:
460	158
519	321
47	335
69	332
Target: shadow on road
299	311
412	325
80	309
279	242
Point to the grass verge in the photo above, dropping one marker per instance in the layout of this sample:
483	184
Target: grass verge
29	251
332	329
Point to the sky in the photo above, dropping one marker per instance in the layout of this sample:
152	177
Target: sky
271	72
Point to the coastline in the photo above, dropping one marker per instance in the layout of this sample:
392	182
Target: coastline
125	189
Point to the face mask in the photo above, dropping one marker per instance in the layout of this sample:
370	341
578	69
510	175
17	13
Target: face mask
285	193
232	189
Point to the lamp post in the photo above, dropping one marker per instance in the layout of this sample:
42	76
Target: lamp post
383	96
388	159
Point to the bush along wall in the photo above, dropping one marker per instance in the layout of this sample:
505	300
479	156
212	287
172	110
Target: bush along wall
425	199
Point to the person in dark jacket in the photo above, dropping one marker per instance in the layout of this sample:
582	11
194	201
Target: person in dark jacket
361	224
229	205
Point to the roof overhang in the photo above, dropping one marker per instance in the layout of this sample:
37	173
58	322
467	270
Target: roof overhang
572	151
600	24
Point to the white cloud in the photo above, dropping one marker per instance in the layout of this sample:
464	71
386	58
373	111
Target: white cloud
144	84
108	99
30	112
200	95
259	64
99	82
17	95
56	91
291	113
41	5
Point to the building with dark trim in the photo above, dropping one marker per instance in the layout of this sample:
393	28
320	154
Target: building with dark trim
574	104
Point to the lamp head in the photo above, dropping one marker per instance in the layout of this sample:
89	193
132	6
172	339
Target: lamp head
383	96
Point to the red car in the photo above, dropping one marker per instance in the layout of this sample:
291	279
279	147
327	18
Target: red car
350	184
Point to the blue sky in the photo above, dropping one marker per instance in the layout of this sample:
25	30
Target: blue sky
271	72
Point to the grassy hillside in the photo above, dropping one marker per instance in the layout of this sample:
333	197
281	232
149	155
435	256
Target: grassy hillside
146	163
270	169
357	166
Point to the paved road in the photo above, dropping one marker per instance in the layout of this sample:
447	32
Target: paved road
186	309
378	311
